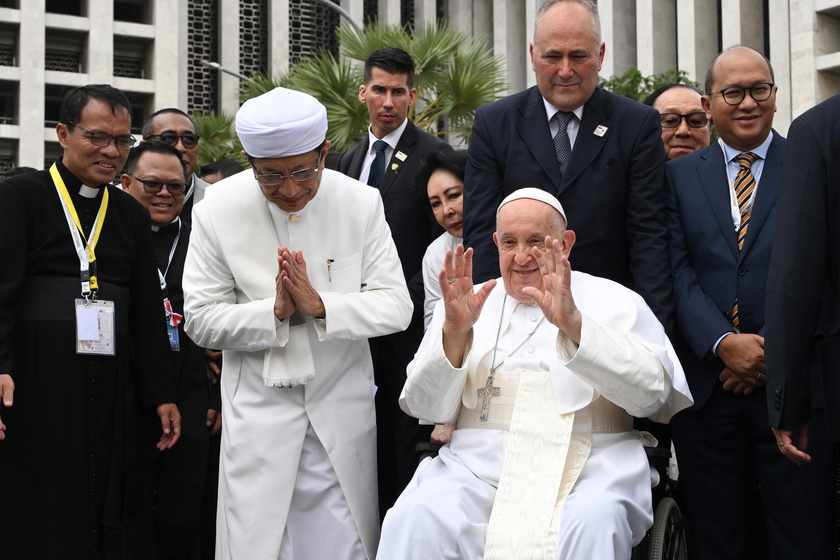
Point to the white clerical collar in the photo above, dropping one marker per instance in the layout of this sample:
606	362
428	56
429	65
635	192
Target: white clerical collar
88	192
392	138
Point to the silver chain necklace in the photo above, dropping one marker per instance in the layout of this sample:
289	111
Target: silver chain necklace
489	391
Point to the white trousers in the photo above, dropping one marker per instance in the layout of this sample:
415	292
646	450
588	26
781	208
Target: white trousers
319	525
444	511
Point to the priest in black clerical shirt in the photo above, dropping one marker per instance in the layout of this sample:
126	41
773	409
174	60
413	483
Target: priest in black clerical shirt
82	346
155	175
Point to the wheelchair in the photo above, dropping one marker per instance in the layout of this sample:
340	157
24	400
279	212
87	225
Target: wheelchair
668	539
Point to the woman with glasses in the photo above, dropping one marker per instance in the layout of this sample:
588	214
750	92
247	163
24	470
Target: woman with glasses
685	125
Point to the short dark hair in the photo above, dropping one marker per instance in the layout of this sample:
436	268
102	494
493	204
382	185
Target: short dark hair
76	100
651	99
453	161
147	125
710	71
392	60
226	167
154	146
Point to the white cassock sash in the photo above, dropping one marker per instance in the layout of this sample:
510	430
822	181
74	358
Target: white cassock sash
543	459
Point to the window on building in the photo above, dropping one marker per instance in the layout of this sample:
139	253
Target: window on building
53	94
8	102
141	107
131	55
8	156
14	4
135	11
65	51
8	45
69	7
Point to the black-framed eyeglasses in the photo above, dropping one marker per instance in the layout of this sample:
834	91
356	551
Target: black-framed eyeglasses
299	176
673	120
154	187
103	140
189	140
735	94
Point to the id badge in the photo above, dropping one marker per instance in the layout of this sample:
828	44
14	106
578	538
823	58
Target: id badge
95	333
174	343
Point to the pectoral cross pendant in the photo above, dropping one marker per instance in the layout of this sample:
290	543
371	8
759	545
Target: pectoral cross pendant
488	392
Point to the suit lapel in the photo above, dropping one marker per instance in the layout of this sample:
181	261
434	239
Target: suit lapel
767	193
596	113
358	158
405	145
535	134
712	177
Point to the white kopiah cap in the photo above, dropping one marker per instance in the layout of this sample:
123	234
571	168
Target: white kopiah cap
280	123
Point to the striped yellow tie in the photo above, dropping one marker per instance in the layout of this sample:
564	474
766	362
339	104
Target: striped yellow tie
744	187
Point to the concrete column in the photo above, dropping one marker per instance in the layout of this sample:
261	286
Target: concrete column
656	32
618	28
742	23
229	49
425	11
169	54
803	69
697	37
780	59
100	46
389	11
356	9
32	47
508	39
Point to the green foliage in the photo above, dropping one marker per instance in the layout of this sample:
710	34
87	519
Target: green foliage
454	76
218	139
634	85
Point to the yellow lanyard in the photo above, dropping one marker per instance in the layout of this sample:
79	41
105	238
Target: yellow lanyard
84	249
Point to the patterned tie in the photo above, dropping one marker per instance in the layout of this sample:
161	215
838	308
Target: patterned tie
744	187
562	146
377	168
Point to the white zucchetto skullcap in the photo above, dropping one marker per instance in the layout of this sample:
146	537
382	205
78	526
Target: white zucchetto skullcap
280	123
535	194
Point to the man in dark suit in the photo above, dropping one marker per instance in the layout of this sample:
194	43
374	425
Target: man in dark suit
721	205
603	161
803	290
388	159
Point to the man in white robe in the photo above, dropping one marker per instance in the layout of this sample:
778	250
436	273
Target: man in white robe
290	285
544	463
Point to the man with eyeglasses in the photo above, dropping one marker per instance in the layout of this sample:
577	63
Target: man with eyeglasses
82	346
289	271
154	175
175	127
685	126
722	204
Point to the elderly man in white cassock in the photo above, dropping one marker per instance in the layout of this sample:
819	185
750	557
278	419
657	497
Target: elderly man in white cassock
543	374
290	269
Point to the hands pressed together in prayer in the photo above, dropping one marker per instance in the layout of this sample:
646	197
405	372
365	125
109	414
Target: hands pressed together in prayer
7	393
294	291
743	356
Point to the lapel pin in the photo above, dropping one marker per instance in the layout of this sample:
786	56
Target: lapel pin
600	130
401	156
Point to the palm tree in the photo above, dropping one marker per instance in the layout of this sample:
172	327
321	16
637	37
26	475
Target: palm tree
455	75
218	139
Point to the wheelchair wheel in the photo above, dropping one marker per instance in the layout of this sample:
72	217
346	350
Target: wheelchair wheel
668	537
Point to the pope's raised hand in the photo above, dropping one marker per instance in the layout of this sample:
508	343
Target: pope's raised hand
461	302
555	298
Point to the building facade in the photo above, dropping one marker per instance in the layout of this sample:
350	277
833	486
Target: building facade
153	49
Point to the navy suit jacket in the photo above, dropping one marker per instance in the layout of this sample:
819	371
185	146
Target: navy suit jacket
709	270
413	226
612	191
803	290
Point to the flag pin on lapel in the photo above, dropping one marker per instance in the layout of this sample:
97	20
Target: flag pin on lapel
401	156
600	130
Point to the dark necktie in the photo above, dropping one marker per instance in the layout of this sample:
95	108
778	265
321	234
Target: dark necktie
377	168
744	187
562	146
